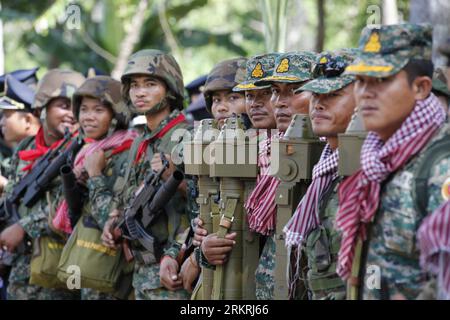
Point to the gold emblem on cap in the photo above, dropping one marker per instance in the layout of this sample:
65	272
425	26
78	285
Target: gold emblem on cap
373	45
446	189
283	66
323	60
258	71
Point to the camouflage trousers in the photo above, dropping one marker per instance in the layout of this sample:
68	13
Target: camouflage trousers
92	294
20	289
265	272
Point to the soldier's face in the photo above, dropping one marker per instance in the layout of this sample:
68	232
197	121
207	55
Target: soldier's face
386	102
259	108
225	103
331	113
60	117
14	126
146	92
286	103
95	118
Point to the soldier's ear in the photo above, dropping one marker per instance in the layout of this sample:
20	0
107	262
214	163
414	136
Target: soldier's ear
421	87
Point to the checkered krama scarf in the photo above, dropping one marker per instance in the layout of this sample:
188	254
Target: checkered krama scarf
434	243
359	194
306	216
260	205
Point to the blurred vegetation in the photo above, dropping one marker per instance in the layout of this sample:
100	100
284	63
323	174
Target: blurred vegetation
199	33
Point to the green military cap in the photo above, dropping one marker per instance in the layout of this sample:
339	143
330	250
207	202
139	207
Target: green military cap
257	68
328	72
224	76
439	83
290	67
386	50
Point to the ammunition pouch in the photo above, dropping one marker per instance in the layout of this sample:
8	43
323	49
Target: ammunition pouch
322	248
46	253
100	268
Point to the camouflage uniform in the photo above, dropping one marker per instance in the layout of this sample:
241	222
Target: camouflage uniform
257	68
101	188
391	244
17	97
292	67
167	227
322	244
56	83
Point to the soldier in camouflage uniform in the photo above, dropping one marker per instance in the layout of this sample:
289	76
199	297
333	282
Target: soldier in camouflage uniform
331	107
260	111
292	70
382	205
222	103
52	101
103	117
18	120
153	86
220	99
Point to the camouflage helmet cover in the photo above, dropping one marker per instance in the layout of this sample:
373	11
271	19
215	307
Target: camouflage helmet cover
56	83
158	64
224	76
106	89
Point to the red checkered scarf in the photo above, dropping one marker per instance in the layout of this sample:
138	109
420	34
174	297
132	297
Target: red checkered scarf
306	216
359	194
434	245
120	141
260	205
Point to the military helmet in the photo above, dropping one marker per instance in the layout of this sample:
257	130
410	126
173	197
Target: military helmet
157	64
56	83
224	76
106	89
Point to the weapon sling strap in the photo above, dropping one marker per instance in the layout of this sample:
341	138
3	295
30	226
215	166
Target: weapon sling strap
224	225
353	283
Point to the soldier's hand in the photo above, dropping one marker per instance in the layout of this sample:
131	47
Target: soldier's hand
107	235
157	165
199	232
11	237
189	272
168	274
3	182
216	249
95	163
